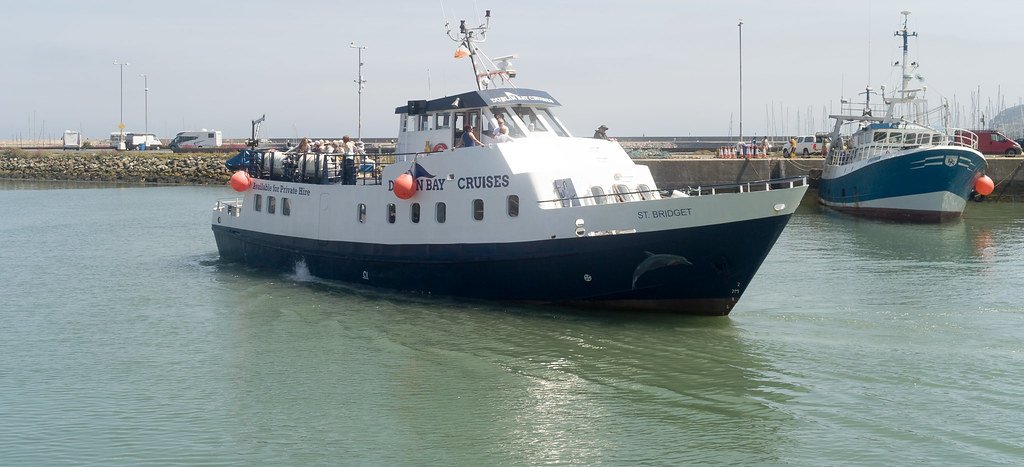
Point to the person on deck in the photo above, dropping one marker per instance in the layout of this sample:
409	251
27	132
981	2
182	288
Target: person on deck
468	137
348	148
503	136
601	132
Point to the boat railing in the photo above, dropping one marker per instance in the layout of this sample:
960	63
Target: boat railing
965	138
700	190
746	187
231	206
319	168
957	137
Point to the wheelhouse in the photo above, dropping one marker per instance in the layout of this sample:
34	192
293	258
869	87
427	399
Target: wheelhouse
438	124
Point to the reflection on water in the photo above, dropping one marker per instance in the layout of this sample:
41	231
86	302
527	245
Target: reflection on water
483	382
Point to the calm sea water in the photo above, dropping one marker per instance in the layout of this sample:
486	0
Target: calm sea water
123	340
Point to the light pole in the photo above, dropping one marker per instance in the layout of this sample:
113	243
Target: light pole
120	125
361	83
145	80
741	78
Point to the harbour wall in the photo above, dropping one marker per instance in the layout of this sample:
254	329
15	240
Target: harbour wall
134	167
208	169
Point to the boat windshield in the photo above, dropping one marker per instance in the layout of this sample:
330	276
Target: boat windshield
539	120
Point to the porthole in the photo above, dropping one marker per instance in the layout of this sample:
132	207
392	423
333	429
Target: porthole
391	213
440	212
414	213
362	213
478	209
513	206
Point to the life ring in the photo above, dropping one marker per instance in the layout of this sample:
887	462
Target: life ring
439	147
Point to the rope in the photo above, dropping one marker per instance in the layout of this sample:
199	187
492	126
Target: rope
1010	177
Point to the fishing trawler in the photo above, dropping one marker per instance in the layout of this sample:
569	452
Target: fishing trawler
523	212
897	165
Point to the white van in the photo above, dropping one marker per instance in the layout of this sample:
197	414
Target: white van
806	145
72	139
141	141
196	140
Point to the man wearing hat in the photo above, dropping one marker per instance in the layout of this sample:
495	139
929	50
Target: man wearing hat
600	132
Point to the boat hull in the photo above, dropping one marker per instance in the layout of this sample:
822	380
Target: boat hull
695	270
926	185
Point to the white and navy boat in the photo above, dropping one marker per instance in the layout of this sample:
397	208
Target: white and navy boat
536	216
897	165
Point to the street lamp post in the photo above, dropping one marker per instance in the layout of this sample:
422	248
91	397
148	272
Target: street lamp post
361	83
145	79
120	125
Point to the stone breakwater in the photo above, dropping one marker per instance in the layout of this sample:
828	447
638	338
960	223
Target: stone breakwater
191	169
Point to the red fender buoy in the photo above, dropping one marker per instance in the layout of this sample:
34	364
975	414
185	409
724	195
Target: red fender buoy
984	185
241	181
405	186
440	147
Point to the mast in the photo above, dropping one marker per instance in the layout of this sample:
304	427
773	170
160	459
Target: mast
466	39
905	35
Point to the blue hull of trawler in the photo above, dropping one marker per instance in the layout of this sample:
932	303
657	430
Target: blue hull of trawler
926	185
697	270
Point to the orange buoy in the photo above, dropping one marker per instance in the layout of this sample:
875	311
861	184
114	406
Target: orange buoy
984	185
241	181
405	186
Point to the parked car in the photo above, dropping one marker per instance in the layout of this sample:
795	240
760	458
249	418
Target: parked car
994	142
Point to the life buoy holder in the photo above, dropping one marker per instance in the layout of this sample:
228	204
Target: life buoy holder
439	147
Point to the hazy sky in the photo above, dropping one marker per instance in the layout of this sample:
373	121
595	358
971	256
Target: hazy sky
654	67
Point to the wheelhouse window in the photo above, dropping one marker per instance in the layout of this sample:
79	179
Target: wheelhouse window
599	196
555	124
442	121
895	137
879	136
513	128
257	203
440	212
271	205
512	206
391	213
414	213
286	206
911	138
529	118
478	209
361	213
